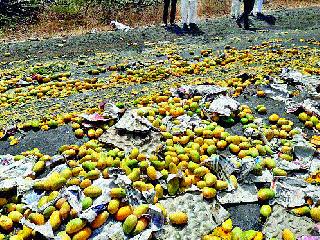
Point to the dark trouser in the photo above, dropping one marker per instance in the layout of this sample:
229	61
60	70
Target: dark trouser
248	7
166	11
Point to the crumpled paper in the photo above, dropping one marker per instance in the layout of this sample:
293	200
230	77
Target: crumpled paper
280	219
209	92
13	174
202	215
45	230
245	193
223	105
186	122
292	191
302	149
147	143
132	122
310	83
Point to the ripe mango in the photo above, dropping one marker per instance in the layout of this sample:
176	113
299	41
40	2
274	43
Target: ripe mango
210	179
64	210
315	214
83	234
100	220
5	223
130	224
36	218
141	225
75	225
301	211
279	172
55	220
178	218
123	213
265	194
117	193
92	191
15	216
265	210
287	234
221	185
209	193
113	206
140	210
152	173
39	167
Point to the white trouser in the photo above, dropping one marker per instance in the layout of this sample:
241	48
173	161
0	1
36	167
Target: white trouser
235	8
189	10
258	6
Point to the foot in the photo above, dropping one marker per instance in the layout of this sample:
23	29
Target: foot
194	29
185	28
260	16
176	29
238	21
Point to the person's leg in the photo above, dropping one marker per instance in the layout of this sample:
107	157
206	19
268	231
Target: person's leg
235	8
184	11
238	8
248	7
193	11
193	17
165	11
173	11
259	6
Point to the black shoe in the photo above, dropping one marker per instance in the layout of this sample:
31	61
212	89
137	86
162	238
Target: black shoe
260	16
176	29
271	20
185	28
238	21
194	29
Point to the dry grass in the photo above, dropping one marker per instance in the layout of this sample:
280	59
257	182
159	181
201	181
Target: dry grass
50	24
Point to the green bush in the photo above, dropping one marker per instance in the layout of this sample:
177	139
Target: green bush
12	11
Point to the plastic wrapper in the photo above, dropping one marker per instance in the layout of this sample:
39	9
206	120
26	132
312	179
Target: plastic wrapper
243	194
292	192
224	105
281	219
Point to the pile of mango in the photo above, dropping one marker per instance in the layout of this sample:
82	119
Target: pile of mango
183	153
48	81
228	232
